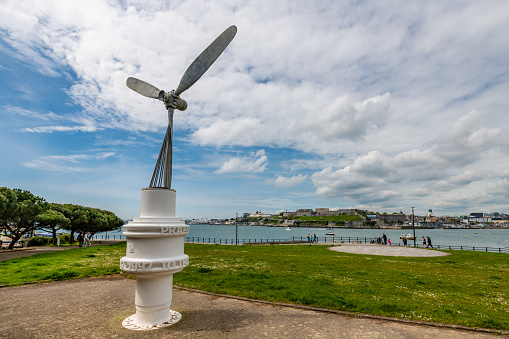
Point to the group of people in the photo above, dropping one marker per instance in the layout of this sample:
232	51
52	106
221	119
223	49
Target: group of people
428	240
381	240
85	238
385	240
312	239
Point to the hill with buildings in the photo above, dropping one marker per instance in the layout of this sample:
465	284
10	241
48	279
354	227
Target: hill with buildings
356	218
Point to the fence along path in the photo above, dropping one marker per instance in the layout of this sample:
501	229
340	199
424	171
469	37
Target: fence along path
321	240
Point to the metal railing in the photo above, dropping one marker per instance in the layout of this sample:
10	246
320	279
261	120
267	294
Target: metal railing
326	240
321	240
107	237
465	248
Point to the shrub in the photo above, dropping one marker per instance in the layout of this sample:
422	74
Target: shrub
65	238
39	241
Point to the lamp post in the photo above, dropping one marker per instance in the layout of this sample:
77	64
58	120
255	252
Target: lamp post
236	229
413	225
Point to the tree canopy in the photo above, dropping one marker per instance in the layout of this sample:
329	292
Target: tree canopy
21	212
52	220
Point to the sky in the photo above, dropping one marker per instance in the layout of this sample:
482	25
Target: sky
377	105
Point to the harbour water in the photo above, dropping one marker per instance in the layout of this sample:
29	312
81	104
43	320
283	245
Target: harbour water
497	238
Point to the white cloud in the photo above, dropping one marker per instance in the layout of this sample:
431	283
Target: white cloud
240	111
50	129
254	163
76	122
295	180
460	180
67	163
242	132
468	139
400	102
454	162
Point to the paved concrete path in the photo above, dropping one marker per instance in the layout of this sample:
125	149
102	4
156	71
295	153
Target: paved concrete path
29	251
394	251
96	307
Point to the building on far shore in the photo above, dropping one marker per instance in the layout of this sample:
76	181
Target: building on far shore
259	214
392	218
319	212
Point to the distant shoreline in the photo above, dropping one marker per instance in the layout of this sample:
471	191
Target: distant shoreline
364	227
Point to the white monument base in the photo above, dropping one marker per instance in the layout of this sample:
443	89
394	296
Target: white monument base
130	322
155	250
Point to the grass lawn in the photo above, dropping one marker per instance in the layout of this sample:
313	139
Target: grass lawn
467	288
62	265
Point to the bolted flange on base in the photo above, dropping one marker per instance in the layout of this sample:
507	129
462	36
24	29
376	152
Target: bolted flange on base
129	322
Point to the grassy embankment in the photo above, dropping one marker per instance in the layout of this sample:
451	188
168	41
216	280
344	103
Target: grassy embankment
466	288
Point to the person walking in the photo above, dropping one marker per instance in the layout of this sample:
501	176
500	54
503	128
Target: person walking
309	238
423	241
88	242
314	238
389	242
384	237
81	238
429	243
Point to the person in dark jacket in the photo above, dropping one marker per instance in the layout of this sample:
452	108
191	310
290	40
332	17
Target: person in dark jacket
81	239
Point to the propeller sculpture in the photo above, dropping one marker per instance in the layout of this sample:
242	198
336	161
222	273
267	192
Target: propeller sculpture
161	177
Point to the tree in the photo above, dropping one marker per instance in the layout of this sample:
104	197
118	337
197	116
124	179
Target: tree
102	221
8	205
19	211
97	222
114	222
88	219
53	219
22	212
78	219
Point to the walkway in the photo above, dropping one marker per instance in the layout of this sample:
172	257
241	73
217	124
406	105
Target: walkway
29	251
96	307
394	251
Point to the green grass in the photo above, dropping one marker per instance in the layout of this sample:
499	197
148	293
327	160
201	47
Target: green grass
62	265
466	288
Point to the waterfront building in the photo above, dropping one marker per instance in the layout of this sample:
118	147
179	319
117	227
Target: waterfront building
259	214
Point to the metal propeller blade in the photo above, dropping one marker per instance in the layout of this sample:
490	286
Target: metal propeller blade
143	88
202	63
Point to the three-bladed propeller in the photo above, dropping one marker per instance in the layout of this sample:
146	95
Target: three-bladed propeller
172	100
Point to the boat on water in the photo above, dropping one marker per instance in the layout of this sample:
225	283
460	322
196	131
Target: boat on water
330	233
288	229
407	237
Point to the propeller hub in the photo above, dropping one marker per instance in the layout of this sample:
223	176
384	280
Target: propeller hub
171	100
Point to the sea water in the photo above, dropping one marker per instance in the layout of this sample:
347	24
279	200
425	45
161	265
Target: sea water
496	238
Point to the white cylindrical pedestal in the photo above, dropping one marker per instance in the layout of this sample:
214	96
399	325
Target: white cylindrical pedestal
153	299
155	250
